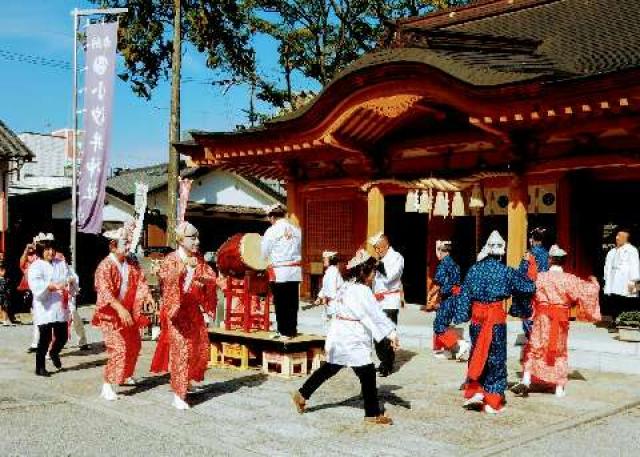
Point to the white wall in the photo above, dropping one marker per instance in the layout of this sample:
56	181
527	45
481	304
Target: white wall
114	211
218	188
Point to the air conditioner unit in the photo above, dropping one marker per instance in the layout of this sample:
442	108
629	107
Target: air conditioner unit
497	201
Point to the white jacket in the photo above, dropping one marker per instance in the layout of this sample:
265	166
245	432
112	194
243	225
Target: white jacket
48	306
331	282
621	269
281	245
390	284
357	322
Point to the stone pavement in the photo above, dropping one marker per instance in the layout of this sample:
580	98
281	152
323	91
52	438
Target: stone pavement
246	413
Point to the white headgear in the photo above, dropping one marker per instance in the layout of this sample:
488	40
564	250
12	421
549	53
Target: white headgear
329	254
43	237
557	251
442	243
495	244
185	229
375	239
482	254
124	233
361	257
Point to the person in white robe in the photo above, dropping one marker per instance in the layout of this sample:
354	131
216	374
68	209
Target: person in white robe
387	287
621	275
52	285
331	282
358	321
281	247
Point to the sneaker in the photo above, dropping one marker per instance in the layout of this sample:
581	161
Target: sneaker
521	390
475	401
179	403
85	347
299	401
379	420
108	393
489	410
7	324
464	348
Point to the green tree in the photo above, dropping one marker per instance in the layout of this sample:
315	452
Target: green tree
217	28
319	38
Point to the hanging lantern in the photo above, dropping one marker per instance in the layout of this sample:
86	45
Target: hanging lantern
425	203
476	201
441	207
457	206
411	204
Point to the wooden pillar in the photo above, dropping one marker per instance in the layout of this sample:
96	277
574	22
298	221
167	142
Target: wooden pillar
375	213
294	203
517	221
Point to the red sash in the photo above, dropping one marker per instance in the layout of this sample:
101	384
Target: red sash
559	317
380	295
532	268
271	273
455	290
486	315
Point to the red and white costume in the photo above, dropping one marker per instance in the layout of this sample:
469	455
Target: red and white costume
556	292
123	282
188	288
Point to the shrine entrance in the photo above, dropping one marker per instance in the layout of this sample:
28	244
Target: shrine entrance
407	234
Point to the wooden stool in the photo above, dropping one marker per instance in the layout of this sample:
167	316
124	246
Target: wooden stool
287	363
316	356
238	352
215	351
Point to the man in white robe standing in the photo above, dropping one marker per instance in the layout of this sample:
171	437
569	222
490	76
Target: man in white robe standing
621	273
387	287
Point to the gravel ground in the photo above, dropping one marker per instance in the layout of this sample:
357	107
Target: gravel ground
247	413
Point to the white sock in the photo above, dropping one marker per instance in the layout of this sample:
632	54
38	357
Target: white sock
526	378
560	391
179	403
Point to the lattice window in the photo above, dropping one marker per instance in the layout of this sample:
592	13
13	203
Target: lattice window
329	227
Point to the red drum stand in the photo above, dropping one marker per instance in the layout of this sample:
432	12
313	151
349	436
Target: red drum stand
247	302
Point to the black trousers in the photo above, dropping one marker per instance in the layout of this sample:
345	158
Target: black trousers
286	299
384	351
57	329
366	374
616	304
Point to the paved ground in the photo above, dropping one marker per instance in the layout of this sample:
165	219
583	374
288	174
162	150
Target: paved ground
247	413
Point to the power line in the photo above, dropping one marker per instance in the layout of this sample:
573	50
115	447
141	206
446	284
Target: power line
35	60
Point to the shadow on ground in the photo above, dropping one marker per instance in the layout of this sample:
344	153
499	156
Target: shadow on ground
386	395
216	389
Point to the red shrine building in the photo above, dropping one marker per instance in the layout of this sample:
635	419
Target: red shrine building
506	114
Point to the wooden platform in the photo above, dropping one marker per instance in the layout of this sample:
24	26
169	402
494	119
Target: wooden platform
238	349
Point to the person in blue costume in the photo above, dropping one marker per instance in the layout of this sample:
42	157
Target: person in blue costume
446	286
537	260
488	284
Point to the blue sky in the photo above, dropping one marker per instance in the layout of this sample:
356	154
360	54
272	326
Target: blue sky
37	98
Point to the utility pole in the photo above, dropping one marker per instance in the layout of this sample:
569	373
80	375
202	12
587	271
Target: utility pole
173	171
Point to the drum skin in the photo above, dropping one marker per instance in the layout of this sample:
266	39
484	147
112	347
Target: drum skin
232	260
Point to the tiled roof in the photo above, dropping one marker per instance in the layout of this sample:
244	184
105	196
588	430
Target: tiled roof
10	145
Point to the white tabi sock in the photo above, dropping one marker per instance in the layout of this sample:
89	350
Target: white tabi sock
108	393
179	403
560	392
526	378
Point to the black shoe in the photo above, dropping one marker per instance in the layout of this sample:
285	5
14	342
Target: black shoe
31	350
55	359
85	347
384	372
42	372
521	390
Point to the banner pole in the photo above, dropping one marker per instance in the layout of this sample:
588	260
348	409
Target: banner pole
74	149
